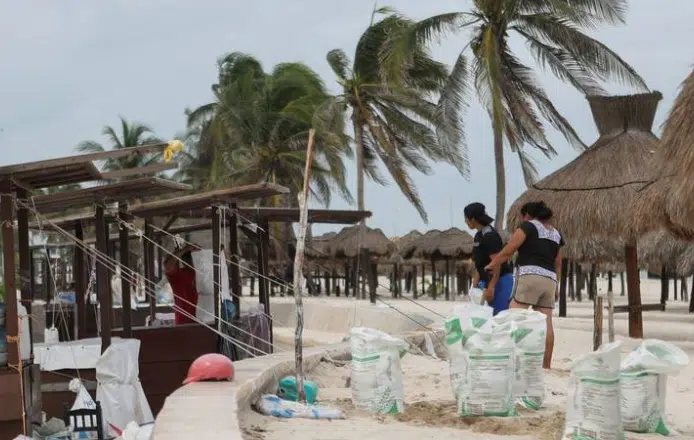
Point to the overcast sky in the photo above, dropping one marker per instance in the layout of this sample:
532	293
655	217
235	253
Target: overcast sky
71	67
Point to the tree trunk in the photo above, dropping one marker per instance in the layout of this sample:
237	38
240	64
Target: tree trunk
500	176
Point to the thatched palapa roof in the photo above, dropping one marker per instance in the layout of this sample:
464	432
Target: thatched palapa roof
593	195
451	243
670	201
347	242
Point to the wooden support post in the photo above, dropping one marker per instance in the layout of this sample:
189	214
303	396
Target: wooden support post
125	273
562	287
160	256
102	278
609	281
234	272
11	317
597	322
633	291
24	257
610	315
263	250
448	279
621	281
433	279
80	283
216	266
148	254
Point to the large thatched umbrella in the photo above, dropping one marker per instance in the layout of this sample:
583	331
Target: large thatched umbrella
593	195
348	242
669	202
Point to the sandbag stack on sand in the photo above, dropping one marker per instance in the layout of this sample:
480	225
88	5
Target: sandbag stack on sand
606	398
377	384
495	360
643	383
593	399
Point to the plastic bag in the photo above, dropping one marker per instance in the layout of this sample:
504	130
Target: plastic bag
476	296
487	387
271	405
593	398
466	319
529	332
376	372
644	377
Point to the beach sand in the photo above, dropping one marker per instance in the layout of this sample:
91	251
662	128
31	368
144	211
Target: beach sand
430	407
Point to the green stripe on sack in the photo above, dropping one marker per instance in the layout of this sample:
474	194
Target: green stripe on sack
373	357
599	381
490	357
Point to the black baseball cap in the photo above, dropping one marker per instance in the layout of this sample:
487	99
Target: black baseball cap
478	212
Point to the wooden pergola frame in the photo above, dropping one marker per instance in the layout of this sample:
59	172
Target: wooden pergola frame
18	182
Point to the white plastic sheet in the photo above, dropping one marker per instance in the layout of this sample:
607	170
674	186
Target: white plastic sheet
70	355
119	390
204	282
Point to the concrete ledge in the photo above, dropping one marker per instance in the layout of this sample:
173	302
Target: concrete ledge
209	410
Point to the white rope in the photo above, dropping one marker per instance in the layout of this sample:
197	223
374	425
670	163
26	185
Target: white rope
105	259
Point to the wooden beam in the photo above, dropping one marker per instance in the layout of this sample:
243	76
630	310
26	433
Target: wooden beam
81	158
263	291
11	317
80	283
216	266
102	278
148	254
125	274
130	172
633	291
234	273
24	258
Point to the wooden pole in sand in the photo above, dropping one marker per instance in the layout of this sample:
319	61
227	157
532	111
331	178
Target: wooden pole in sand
610	315
298	273
597	322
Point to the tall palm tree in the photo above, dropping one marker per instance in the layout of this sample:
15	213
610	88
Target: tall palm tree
395	118
555	32
257	128
132	134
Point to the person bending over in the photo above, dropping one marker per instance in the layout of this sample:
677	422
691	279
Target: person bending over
498	285
538	265
181	276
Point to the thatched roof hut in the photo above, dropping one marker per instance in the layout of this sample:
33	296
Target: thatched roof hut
402	243
669	202
451	243
319	247
592	195
413	248
347	243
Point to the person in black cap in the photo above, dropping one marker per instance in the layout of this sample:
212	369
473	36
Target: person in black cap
497	283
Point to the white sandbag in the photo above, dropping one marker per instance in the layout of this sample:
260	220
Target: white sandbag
119	390
593	398
529	332
376	372
117	292
133	431
465	320
644	377
487	387
204	279
476	296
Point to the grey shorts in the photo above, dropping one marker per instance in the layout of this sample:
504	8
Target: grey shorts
535	290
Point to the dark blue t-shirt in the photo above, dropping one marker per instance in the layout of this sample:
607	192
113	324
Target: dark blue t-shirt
488	242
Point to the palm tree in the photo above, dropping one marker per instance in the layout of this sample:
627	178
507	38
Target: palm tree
394	117
257	128
517	104
132	134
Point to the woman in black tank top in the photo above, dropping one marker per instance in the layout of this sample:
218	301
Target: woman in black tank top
538	265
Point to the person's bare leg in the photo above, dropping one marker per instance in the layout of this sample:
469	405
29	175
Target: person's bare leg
517	305
549	340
